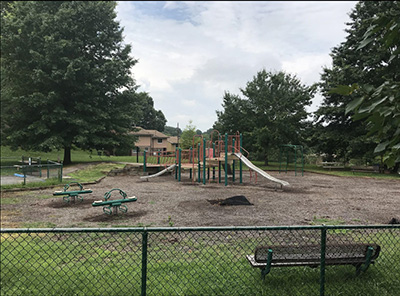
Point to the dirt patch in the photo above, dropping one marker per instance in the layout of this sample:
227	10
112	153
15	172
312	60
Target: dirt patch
163	201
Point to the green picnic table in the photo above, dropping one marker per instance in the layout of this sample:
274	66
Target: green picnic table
116	204
69	196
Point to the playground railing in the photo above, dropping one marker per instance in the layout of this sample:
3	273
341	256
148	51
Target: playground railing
191	261
31	170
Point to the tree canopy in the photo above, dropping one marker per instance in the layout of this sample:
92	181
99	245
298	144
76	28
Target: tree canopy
187	136
150	118
66	78
271	113
336	132
380	106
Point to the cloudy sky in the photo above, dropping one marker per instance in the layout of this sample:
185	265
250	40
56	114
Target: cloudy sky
190	53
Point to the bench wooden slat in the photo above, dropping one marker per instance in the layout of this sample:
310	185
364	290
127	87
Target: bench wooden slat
356	254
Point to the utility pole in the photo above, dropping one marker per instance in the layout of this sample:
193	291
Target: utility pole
177	131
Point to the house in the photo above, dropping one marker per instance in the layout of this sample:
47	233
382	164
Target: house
154	141
173	143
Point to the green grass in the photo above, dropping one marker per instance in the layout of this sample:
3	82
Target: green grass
274	166
110	264
77	156
48	182
38	225
323	220
94	172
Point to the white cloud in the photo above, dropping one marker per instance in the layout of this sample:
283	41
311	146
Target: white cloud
191	52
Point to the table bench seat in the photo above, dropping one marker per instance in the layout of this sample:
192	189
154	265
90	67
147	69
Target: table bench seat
116	204
357	254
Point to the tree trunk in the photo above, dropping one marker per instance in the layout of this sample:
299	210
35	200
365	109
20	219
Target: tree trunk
266	160
67	156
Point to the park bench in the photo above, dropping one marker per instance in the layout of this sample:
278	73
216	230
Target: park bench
332	165
366	169
71	195
117	204
357	254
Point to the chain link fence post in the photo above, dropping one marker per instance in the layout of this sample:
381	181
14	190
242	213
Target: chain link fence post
144	262
323	252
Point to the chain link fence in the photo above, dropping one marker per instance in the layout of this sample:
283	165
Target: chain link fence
306	260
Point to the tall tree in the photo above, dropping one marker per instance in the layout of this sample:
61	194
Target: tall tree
380	106
271	113
187	138
151	118
336	132
172	131
65	77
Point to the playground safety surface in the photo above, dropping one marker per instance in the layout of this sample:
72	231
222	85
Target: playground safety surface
163	201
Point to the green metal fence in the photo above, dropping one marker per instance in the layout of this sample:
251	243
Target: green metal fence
193	261
31	169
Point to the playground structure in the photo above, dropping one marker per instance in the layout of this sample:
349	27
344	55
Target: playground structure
207	160
117	204
290	153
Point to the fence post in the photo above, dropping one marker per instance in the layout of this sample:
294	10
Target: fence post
323	252
40	166
61	173
144	161
180	164
144	262
226	159
24	170
240	161
48	173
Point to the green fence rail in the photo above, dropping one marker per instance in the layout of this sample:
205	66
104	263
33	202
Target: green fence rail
31	169
196	261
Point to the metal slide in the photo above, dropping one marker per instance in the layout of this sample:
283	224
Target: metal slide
168	169
260	171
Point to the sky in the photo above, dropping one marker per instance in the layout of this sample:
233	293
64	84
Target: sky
191	52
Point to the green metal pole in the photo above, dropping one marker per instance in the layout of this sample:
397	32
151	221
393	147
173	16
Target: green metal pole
61	173
144	262
198	164
219	171
287	159
180	164
323	253
295	160
144	161
240	162
302	161
280	158
40	167
213	156
204	161
176	162
233	164
226	159
48	173
158	158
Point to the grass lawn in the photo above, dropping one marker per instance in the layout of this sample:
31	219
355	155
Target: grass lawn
191	264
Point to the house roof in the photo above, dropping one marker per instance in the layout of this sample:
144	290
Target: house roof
173	140
151	133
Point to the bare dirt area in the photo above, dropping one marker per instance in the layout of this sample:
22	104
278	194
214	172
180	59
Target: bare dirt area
163	201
